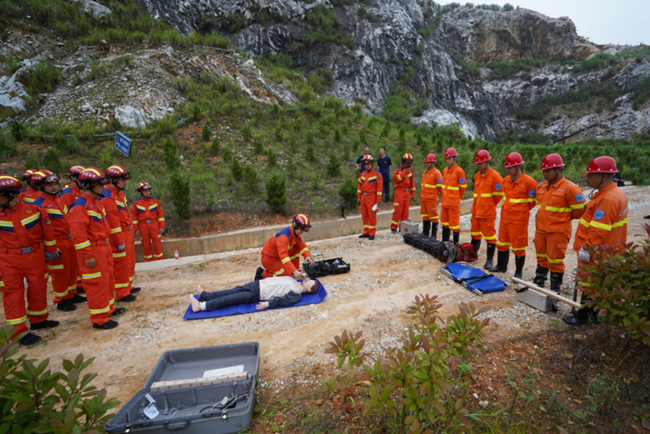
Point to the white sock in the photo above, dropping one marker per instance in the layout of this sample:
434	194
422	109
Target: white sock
203	305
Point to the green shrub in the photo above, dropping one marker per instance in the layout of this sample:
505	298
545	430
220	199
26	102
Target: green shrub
179	187
535	138
309	154
503	70
68	146
7	146
227	155
195	113
258	147
334	166
236	170
51	161
172	161
42	78
206	133
17	130
326	29
292	168
32	161
271	159
309	139
348	193
35	399
508	7
279	136
214	147
641	93
246	133
293	146
251	180
397	106
276	193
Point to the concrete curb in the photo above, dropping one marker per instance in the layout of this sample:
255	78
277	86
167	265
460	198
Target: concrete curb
256	237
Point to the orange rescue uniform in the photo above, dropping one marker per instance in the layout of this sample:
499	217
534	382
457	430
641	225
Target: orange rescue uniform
429	193
371	185
121	223
518	201
488	191
454	185
148	218
90	236
281	253
25	232
603	225
29	195
70	193
65	269
558	205
404	190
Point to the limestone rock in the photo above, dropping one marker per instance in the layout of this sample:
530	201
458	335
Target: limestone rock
97	10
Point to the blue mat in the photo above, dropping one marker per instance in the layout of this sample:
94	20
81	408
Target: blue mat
241	309
487	285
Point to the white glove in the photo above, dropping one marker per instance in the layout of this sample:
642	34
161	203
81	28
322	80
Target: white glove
121	247
374	208
583	255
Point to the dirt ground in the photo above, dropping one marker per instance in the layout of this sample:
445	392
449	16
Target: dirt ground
386	275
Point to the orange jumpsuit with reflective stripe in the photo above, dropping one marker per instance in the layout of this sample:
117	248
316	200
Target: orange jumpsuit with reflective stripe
281	253
90	233
488	191
68	195
429	193
25	232
148	218
404	190
603	225
454	185
519	199
121	224
557	206
29	195
371	185
65	269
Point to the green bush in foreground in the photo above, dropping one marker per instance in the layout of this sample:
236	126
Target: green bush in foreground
37	400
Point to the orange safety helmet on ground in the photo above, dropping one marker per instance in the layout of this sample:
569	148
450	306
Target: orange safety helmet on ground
552	161
42	177
482	156
75	171
92	175
430	158
27	175
116	171
368	159
407	157
302	221
143	186
451	152
513	159
602	165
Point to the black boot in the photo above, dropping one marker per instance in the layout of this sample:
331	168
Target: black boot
66	306
259	273
445	234
519	263
434	231
556	281
502	262
426	226
490	254
456	238
582	315
476	244
540	276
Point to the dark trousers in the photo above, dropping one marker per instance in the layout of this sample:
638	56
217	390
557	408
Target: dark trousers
386	177
248	293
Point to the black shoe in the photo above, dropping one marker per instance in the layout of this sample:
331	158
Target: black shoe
127	298
477	245
580	317
259	274
66	306
502	262
394	231
110	324
135	289
77	299
47	324
519	264
540	276
434	231
119	311
29	339
556	281
426	227
80	290
490	255
371	237
363	236
456	238
647	217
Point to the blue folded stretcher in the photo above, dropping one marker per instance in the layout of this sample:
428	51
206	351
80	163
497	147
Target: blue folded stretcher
474	279
250	307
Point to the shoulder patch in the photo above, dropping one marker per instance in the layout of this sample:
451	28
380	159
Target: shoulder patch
497	186
440	180
532	193
48	221
462	180
580	198
599	214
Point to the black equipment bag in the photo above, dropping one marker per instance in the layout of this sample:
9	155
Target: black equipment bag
326	267
410	238
432	246
447	252
420	241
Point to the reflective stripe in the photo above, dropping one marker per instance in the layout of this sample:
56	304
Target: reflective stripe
98	311
148	257
619	224
121	285
452	188
116	230
429	186
371	178
454	227
50	243
379	193
112	302
372	227
486	194
92	275
584	223
394	222
61	294
162	219
55	267
541	255
2	283
499	243
476	233
16	321
40	312
82	245
71	287
119	255
135	222
131	278
555	209
520	200
358	191
303	251
53	211
285	260
395	204
424	215
490	238
157	256
94	214
518	248
578	206
602	226
555	261
280	271
30	219
475	195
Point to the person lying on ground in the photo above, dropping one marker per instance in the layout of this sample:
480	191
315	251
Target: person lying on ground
271	292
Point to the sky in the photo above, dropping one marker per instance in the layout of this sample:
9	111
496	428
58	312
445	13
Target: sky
602	21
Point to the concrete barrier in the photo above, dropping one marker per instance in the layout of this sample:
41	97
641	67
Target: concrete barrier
256	237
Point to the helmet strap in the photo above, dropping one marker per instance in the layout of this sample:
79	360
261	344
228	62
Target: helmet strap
11	197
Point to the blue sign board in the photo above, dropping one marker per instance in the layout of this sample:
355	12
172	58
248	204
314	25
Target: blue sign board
123	144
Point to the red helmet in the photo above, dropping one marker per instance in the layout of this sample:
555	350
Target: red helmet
430	158
407	157
75	171
302	221
451	152
482	156
42	177
513	159
368	159
116	172
92	175
143	186
9	184
27	175
602	165
552	161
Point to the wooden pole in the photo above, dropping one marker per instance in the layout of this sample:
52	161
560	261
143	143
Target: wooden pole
551	294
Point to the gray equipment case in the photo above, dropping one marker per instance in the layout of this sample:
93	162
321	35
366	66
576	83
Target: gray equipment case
408	227
198	409
537	300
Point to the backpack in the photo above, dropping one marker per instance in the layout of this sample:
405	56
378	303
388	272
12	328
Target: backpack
326	267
